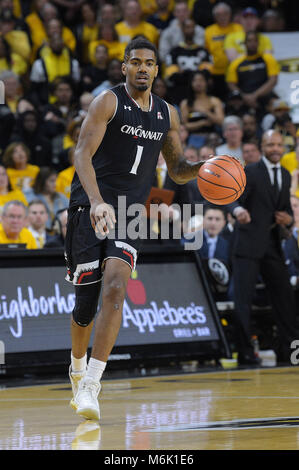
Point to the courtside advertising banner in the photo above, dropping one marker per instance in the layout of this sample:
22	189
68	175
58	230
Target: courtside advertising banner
165	303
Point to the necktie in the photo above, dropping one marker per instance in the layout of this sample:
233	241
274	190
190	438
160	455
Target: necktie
275	184
211	244
40	241
160	177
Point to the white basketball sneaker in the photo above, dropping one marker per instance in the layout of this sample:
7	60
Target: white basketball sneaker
86	399
75	380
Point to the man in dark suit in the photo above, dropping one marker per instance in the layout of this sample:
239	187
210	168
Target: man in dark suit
214	244
262	212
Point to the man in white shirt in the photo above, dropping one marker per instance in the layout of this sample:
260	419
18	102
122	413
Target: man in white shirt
37	220
232	129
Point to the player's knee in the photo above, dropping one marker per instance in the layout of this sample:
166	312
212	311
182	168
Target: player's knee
114	290
86	306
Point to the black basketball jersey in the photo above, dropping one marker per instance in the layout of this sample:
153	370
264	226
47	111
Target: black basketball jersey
126	159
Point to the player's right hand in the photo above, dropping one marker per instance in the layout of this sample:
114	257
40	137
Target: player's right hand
102	218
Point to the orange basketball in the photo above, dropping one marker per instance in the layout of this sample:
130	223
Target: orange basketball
221	180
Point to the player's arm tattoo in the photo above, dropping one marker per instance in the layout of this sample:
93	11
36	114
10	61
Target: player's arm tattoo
179	169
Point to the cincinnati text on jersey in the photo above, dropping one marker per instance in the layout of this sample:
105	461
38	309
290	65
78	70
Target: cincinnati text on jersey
139	132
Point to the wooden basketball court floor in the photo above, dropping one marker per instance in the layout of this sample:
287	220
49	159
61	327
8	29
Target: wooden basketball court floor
225	410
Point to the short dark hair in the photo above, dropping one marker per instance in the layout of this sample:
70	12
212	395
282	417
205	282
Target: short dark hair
140	43
252	142
62	80
210	206
37	202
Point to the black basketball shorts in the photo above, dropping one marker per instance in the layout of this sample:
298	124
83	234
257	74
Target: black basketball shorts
86	254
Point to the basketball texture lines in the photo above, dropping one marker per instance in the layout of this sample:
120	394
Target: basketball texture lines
221	180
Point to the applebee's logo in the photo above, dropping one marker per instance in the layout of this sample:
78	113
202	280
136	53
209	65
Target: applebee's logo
152	316
136	290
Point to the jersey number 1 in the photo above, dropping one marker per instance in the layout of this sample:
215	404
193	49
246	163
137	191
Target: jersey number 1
137	160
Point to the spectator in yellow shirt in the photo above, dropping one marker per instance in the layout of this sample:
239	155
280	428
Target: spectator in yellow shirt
13	227
254	75
107	37
234	44
55	61
10	60
132	25
6	191
55	26
37	21
15	31
20	172
215	35
65	177
290	161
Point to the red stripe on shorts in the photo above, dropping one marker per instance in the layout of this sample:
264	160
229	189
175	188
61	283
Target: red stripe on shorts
130	256
84	274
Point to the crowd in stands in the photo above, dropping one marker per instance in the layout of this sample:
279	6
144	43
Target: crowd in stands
217	66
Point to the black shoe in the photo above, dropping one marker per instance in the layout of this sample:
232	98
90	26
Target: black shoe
248	360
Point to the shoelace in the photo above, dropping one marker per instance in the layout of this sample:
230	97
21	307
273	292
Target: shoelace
91	387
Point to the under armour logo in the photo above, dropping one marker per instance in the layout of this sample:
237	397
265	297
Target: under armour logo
127	107
159	115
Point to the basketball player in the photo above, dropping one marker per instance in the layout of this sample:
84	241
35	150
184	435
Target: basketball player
116	155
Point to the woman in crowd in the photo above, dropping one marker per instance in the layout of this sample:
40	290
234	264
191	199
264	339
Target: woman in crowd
200	112
20	172
11	60
44	188
6	192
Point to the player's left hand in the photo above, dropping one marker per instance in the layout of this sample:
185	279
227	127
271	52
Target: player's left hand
103	218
